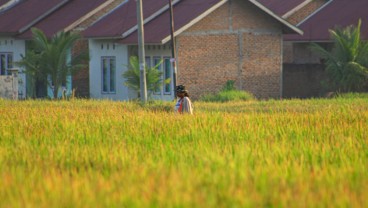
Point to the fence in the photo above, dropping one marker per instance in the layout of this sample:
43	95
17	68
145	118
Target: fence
9	85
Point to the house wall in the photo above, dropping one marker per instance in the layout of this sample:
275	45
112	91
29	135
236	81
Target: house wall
81	78
235	42
304	80
105	48
301	53
17	48
304	71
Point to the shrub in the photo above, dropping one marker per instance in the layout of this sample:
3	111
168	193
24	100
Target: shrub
227	95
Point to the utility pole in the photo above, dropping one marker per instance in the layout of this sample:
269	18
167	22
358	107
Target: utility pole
173	53
141	52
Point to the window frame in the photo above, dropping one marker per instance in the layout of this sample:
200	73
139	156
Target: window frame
165	77
7	64
159	59
109	91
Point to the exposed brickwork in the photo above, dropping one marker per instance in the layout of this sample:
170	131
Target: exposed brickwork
81	78
207	62
246	48
262	65
213	22
304	12
98	15
246	16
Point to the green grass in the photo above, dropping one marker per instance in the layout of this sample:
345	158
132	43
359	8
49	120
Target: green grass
295	153
228	95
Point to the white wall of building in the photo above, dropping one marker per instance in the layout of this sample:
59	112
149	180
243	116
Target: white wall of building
107	48
17	48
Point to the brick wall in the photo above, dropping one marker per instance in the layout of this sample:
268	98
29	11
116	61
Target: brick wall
235	42
81	78
304	12
85	24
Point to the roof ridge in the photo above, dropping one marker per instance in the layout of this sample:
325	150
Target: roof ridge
88	15
109	12
150	18
277	17
195	20
315	12
8	5
295	9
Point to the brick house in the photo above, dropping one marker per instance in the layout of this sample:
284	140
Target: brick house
303	70
216	41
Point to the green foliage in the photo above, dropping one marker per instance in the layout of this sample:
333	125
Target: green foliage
50	60
226	96
229	86
153	76
228	93
347	63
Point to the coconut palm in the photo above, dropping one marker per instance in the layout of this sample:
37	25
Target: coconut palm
153	76
50	59
347	63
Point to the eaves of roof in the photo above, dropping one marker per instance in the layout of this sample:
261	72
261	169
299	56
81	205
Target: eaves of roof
283	7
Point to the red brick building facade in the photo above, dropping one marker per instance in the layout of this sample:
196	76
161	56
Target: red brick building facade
236	42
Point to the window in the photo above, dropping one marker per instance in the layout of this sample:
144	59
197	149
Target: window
156	61
167	74
108	75
6	63
148	61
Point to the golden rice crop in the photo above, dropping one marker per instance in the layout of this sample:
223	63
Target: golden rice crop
86	153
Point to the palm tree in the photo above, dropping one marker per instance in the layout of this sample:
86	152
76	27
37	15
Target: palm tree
347	63
153	76
50	59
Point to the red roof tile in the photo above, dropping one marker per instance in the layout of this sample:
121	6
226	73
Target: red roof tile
281	7
337	13
63	17
24	14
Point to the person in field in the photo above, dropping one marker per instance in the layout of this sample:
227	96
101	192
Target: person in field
183	105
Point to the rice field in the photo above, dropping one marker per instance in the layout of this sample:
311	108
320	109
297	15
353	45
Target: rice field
86	153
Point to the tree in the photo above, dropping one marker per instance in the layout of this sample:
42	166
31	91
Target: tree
347	62
50	60
153	76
